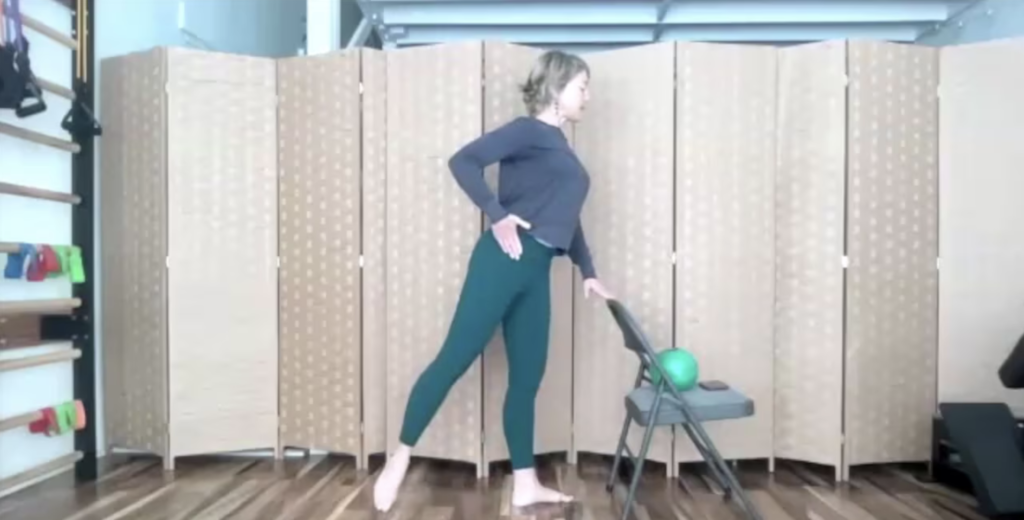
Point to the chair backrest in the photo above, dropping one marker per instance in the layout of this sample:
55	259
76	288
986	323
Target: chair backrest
635	340
1011	373
633	337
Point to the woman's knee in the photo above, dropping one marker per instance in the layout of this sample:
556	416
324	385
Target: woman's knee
524	387
446	370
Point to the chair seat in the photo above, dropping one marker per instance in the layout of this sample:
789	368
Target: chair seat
706	405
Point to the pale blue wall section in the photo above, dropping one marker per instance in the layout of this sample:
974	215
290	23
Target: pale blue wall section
125	26
985	20
272	28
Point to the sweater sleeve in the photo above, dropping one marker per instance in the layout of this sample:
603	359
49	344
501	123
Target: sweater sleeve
467	165
579	253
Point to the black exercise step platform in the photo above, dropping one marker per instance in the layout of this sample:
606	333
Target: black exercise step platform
987	441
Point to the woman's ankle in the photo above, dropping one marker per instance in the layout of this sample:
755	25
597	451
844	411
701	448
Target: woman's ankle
526	475
403	450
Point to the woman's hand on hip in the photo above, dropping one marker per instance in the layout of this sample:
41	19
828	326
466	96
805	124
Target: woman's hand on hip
506	232
593	285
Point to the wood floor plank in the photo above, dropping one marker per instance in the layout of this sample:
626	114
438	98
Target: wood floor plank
882	504
261	501
332	488
770	509
341	509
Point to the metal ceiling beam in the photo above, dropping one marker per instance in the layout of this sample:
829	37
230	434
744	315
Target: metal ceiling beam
361	34
617	22
419	35
662	11
653	12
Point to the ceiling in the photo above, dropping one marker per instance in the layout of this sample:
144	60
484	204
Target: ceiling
582	25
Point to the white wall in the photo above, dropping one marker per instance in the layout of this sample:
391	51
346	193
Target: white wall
982	21
39	222
323	26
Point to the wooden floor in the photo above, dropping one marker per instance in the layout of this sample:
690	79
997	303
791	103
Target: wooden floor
331	488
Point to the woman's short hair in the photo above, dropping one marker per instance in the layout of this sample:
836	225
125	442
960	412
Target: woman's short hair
552	71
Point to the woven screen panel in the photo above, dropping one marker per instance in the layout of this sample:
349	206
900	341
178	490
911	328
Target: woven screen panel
982	278
113	155
374	204
319	149
202	66
133	213
627	142
506	67
434	107
809	223
223	276
892	244
725	231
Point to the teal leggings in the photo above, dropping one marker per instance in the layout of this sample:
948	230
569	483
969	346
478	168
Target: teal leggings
497	290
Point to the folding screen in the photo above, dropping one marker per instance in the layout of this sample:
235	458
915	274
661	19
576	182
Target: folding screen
319	117
374	294
774	170
192	365
506	67
133	249
221	200
434	106
982	275
627	142
724	211
809	203
856	247
891	237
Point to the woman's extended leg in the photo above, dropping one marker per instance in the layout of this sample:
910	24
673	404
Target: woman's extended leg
526	329
492	282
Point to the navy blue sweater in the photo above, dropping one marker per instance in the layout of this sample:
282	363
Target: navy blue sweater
540	179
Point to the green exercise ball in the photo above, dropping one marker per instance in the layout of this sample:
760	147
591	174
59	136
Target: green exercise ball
681	367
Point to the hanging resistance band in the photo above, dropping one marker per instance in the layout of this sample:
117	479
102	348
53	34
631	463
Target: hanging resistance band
17	82
12	87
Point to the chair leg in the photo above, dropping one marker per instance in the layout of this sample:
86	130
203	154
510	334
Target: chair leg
618	455
716	472
712	457
637	470
638	467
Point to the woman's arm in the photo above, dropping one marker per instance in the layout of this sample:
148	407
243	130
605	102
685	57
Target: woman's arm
467	165
579	253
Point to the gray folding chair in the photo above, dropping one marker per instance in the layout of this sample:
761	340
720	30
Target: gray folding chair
652	405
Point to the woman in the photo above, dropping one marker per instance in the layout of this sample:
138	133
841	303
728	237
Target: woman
542	187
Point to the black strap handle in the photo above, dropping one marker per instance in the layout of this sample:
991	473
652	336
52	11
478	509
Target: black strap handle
81	122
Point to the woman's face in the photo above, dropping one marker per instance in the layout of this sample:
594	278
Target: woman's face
573	99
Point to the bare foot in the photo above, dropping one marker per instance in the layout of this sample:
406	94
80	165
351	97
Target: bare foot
385	491
527	490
